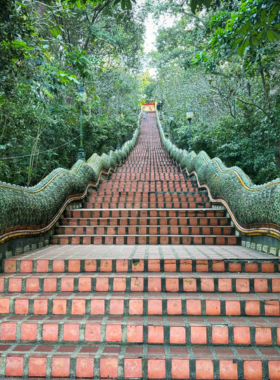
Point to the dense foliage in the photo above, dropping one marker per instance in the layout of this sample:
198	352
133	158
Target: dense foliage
222	61
48	49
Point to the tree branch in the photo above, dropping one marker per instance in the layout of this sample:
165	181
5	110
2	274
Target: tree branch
254	105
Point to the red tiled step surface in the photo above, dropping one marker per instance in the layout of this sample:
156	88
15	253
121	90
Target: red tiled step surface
144	230
146	213
131	221
139	282
139	362
128	304
215	331
139	259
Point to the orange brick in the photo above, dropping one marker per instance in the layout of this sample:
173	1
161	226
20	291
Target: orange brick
213	307
50	332
133	368
37	367
102	284
156	369
252	307
253	370
155	334
14	366
154	307
92	332
108	367
198	335
28	331
193	307
220	335
90	265
228	370
71	332
263	335
154	284
189	285
274	369
8	330
172	285
137	284
116	306
119	284
204	369
136	307
174	307
180	369
59	307
177	335
114	333
78	307
40	307
241	335
134	334
21	306
97	307
32	285
60	366
84	367
233	308
84	284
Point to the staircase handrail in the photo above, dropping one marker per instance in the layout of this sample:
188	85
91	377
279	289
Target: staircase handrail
26	211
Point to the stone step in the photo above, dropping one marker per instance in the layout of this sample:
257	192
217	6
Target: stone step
139	362
145	230
129	259
149	213
139	282
133	239
192	331
123	221
147	198
142	304
147	204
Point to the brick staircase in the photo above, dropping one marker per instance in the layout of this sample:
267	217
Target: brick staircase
169	294
148	201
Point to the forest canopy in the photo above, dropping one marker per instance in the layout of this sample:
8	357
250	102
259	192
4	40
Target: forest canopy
218	58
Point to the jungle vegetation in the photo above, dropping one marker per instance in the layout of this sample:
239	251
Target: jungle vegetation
219	58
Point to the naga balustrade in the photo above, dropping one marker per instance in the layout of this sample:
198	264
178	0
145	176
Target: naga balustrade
31	211
254	209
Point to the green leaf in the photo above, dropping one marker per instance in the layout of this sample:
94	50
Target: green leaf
55	32
241	49
270	36
254	41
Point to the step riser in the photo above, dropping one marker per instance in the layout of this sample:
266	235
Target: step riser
131	366
137	306
144	240
145	213
136	333
138	284
138	266
146	222
145	230
113	205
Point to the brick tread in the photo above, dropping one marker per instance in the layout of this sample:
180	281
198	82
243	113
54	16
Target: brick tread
149	221
152	282
146	239
142	361
126	304
215	331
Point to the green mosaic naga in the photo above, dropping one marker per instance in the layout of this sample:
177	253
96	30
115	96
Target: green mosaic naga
255	210
34	210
